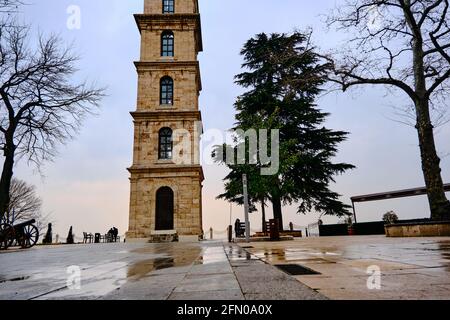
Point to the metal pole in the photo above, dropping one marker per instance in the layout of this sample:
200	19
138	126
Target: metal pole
354	212
246	208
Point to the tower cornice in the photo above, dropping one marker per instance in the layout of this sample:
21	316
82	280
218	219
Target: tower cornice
148	65
166	115
168	169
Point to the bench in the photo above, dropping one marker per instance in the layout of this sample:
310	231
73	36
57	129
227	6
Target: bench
88	237
108	238
240	230
267	226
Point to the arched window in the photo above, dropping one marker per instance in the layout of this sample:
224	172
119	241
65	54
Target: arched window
166	94
167	44
165	144
168	6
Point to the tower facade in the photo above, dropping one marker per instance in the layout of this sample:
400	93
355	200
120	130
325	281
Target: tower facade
166	176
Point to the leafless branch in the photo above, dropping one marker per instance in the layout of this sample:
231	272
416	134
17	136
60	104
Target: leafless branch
40	104
400	43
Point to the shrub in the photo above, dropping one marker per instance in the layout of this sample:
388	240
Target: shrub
390	217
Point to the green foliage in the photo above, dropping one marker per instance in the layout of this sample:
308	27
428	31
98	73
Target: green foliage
390	217
283	78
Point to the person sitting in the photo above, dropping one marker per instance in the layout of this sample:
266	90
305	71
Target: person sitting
109	235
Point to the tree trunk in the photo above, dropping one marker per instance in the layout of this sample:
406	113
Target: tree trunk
439	205
263	210
277	211
5	182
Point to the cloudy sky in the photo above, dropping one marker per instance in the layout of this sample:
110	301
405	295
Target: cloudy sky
87	185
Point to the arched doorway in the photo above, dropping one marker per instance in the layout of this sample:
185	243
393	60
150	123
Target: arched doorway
164	209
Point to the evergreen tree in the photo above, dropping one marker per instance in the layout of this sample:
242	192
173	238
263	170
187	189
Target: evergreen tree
283	78
48	239
70	239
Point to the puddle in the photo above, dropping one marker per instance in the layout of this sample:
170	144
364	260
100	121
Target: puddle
93	287
238	254
291	255
162	258
143	268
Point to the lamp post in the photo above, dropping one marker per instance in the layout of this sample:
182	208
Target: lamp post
246	208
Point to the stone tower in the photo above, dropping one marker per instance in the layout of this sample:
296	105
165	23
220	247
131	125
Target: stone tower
166	177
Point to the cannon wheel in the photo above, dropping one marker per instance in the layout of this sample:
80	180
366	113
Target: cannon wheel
30	236
6	234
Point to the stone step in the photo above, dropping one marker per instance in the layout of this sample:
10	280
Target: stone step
295	234
163	238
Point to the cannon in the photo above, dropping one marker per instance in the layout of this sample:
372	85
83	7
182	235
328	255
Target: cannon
24	234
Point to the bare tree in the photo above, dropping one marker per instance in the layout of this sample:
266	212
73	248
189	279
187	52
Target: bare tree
26	204
10	6
403	44
24	201
39	105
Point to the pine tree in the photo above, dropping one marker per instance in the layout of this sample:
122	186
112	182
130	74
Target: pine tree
70	239
48	239
283	78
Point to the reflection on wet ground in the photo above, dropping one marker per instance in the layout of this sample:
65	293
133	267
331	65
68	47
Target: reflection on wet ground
170	256
236	253
120	271
411	268
142	268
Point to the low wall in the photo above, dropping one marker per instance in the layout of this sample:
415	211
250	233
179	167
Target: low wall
360	229
423	229
369	228
332	230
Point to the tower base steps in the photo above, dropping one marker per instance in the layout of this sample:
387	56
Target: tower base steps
163	238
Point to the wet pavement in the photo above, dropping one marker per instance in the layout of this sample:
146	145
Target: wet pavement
203	271
410	268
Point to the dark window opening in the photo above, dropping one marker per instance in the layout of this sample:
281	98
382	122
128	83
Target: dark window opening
164	209
165	144
167	44
168	6
166	91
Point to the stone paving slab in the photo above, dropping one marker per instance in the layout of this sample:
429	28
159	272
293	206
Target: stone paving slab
203	271
114	271
216	282
208	295
261	281
411	268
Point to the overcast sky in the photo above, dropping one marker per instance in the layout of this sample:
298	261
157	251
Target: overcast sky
87	185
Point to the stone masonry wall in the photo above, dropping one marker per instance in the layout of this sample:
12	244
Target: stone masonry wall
181	6
187	190
185	89
148	173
